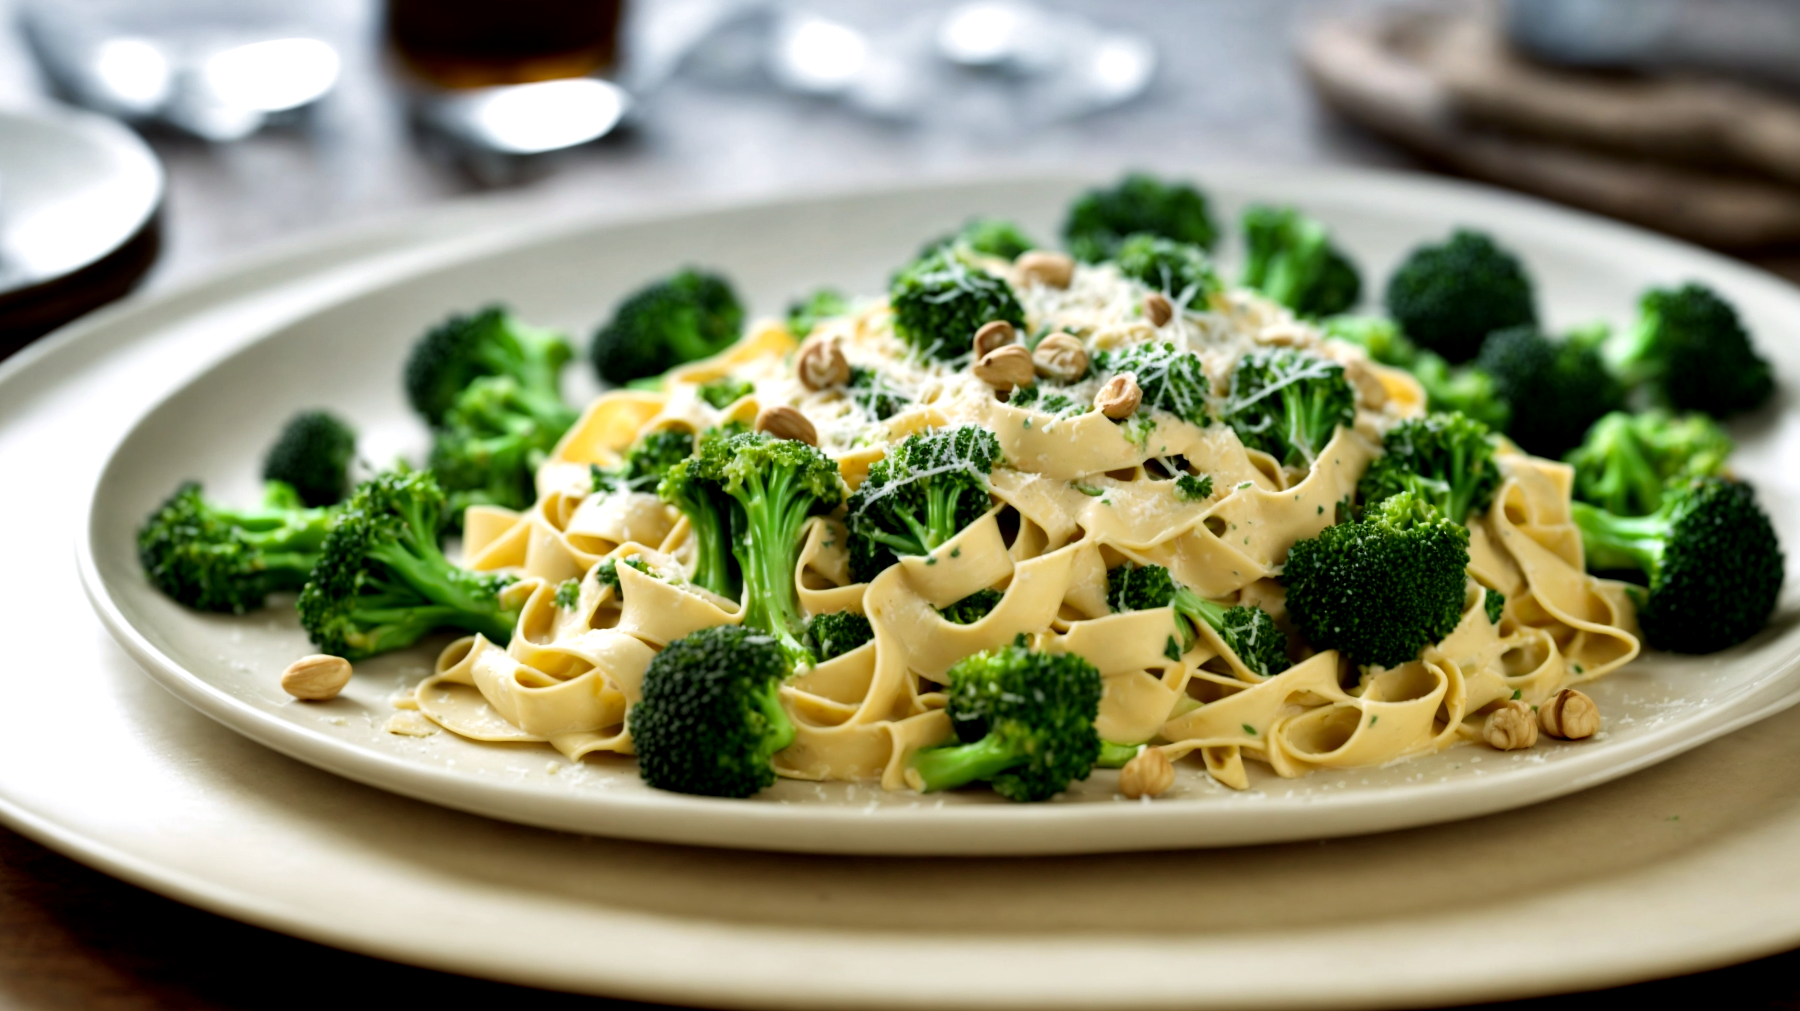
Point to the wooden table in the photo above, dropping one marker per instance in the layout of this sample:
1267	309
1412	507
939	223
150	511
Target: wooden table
71	937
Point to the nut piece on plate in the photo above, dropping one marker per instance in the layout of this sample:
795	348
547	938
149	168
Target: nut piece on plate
1120	397
1157	309
995	333
1006	367
1147	775
783	422
1045	267
1061	357
316	678
1511	727
1570	715
822	365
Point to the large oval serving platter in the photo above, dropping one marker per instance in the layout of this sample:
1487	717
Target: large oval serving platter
348	357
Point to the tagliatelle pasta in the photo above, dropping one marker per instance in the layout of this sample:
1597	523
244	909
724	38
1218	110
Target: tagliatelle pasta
1078	493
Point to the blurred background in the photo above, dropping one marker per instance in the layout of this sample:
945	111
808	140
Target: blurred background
266	120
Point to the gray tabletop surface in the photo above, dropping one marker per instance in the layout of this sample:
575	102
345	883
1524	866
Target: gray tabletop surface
1226	92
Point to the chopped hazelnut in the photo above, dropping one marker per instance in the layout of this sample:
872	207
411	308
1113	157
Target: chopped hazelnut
1511	727
783	422
1120	397
1570	715
1147	775
1006	367
1061	357
1157	309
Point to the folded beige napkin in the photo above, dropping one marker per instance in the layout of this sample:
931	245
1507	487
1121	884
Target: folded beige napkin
1711	160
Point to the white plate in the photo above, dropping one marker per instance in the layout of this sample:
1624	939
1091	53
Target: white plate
348	355
1684	867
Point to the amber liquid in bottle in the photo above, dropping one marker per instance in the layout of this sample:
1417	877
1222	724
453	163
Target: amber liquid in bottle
480	43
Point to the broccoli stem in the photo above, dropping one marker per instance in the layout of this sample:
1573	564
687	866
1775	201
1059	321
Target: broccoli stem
1620	542
946	768
766	525
1115	756
780	729
414	556
1308	415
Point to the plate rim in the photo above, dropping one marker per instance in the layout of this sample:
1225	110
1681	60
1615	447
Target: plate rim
962	829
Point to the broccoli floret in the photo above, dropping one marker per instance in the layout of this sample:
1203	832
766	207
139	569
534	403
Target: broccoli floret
382	583
1246	628
1558	387
1290	258
1465	389
973	607
1494	605
607	573
1711	558
1025	720
941	299
492	342
1288	403
647	462
312	455
491	443
1383	587
1628	459
987	236
1446	459
1448	298
710	718
1378	335
1180	270
1100	219
1039	398
920	495
214	558
803	314
832	635
568	593
1689	348
1171	380
682	318
1114	755
725	391
761	489
870	390
1189	488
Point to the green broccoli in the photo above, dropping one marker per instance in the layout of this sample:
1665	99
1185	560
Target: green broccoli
312	455
1172	381
1494	605
1383	587
725	391
1189	488
871	391
832	635
214	558
1465	389
1710	555
490	444
1565	384
1689	348
1448	298
568	594
1628	459
1114	755
681	318
754	493
1290	258
607	573
1445	459
988	237
1038	397
1025	721
1101	219
1246	628
647	462
1180	270
1288	403
920	495
941	299
710	719
973	607
382	582
490	343
803	314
